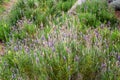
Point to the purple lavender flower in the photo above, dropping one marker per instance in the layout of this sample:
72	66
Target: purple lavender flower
86	38
43	37
36	41
96	33
15	48
50	43
103	65
109	23
118	58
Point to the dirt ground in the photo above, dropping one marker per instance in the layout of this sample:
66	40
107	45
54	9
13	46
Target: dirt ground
117	13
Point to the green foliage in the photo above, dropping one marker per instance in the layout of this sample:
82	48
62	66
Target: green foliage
21	64
15	15
1	9
29	28
4	31
88	19
19	35
66	48
115	36
65	5
80	62
1	1
100	10
39	10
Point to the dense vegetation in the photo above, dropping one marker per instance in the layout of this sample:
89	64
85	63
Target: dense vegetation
1	1
43	42
1	9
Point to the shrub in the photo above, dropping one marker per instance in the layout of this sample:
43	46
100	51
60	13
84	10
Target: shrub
88	19
100	10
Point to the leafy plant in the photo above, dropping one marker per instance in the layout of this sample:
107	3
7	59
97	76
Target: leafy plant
4	31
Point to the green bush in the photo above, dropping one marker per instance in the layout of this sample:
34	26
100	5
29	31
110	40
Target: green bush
100	10
88	19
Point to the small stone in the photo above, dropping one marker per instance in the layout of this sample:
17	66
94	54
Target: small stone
115	4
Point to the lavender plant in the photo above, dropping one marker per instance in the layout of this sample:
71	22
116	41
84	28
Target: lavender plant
66	48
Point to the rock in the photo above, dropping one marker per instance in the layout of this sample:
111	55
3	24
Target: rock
109	1
115	4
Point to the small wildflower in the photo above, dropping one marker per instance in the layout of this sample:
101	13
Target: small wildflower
36	41
103	65
109	23
96	33
43	37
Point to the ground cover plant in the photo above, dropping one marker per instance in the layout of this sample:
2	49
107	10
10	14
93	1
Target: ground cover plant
43	42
